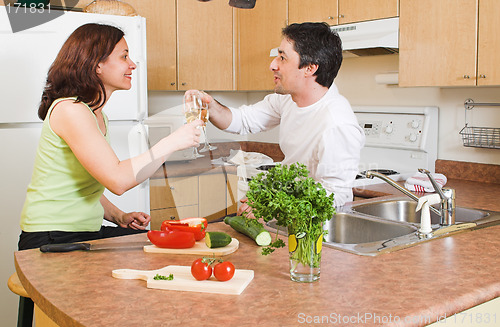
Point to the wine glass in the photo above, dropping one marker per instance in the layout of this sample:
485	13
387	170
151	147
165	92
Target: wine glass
204	117
192	111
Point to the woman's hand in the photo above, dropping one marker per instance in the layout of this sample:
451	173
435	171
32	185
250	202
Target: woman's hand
186	136
134	220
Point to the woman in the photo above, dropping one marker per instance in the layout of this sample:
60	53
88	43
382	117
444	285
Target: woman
74	161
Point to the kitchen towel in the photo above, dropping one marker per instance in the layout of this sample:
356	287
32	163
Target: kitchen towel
242	158
420	183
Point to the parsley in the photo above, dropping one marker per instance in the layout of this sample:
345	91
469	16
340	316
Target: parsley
273	246
161	277
296	201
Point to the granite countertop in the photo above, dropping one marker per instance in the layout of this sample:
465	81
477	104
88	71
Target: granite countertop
421	284
204	165
410	287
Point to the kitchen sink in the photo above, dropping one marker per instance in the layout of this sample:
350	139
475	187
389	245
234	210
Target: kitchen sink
348	228
351	228
403	210
383	226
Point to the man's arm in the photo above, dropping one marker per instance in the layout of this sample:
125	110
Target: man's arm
219	115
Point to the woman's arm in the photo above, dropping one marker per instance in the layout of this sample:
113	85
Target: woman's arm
134	220
75	124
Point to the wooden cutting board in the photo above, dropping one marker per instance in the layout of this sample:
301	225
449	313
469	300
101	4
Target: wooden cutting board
200	248
184	281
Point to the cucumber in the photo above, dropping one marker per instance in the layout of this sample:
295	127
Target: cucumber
217	239
251	228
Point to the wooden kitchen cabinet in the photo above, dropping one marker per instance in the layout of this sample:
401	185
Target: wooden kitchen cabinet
212	195
232	194
190	44
488	61
300	11
205	45
351	11
258	31
444	51
340	11
173	198
161	31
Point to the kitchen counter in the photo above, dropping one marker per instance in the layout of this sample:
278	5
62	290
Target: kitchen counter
410	287
204	166
414	286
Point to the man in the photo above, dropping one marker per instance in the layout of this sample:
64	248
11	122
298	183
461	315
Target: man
317	125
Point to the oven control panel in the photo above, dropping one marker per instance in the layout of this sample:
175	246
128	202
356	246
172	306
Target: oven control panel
398	138
393	130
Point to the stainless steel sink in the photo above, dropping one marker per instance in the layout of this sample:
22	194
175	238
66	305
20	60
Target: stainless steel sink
351	228
403	210
348	228
362	235
383	226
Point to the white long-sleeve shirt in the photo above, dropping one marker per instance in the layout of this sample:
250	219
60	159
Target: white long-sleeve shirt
324	136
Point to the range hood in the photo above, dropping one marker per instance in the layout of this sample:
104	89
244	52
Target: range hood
375	37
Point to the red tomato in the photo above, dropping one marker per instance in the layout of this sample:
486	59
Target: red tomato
171	239
224	271
201	270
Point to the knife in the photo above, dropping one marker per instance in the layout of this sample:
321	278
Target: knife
67	247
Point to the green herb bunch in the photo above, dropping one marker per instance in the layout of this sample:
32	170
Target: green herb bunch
296	201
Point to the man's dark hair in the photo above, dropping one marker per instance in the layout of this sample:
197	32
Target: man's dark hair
317	44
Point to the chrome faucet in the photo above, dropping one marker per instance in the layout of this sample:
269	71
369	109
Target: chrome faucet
447	211
447	196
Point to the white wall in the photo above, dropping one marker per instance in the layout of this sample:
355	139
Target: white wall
356	81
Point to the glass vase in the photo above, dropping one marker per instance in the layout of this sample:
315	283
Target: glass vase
305	255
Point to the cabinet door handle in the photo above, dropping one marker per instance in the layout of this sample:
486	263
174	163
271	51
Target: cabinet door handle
341	16
466	76
183	83
173	83
331	17
482	76
172	188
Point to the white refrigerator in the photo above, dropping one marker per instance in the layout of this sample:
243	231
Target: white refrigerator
25	58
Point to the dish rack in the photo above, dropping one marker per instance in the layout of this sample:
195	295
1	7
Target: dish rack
479	137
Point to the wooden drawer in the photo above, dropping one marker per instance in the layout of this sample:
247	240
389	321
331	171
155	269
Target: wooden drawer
212	196
173	192
159	215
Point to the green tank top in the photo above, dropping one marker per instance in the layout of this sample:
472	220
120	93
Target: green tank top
62	195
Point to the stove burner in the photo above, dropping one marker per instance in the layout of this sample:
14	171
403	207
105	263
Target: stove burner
386	172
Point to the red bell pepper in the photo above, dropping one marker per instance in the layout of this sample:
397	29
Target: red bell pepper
197	226
172	239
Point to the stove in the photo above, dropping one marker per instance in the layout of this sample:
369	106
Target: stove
399	140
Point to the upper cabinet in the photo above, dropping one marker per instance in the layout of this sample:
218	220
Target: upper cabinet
351	11
488	62
457	45
205	45
190	44
258	31
300	11
336	12
161	42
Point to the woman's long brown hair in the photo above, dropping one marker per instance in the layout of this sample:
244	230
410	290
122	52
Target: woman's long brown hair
73	72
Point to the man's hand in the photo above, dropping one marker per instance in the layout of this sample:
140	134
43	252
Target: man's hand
244	207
